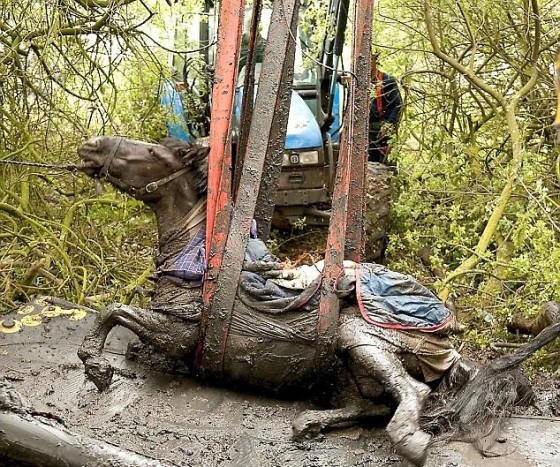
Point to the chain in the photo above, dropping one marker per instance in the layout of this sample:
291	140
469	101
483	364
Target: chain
70	167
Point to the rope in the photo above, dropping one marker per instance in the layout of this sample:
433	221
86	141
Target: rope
70	167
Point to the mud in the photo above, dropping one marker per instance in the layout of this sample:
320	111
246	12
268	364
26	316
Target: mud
170	417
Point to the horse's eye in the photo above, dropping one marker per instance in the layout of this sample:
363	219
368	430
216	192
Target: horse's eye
151	151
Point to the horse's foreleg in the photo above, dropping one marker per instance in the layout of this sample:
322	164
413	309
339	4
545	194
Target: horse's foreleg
170	334
167	333
312	422
371	356
97	368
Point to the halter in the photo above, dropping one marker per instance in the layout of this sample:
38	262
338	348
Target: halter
132	190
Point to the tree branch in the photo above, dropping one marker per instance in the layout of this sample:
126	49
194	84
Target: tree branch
467	72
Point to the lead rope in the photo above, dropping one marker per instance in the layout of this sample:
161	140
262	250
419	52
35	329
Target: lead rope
69	167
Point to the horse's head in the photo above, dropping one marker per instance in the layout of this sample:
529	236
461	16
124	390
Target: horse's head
142	169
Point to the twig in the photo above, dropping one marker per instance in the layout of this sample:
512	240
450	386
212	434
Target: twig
505	345
68	305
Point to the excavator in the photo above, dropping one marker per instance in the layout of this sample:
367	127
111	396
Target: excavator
319	95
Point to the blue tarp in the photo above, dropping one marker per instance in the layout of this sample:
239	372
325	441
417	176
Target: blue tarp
170	100
385	298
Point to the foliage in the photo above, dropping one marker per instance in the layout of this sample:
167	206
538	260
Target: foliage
68	70
475	152
313	23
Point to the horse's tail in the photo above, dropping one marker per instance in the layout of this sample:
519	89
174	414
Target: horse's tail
474	412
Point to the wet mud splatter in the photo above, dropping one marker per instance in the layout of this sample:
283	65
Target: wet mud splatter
158	411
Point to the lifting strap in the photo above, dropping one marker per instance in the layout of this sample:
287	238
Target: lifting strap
230	234
219	159
345	239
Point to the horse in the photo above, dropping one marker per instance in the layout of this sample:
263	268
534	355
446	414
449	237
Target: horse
274	347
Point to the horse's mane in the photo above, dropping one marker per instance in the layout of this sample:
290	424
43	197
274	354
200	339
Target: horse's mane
194	157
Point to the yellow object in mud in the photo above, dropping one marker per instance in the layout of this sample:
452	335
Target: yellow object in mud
54	311
10	327
77	314
35	312
25	310
32	320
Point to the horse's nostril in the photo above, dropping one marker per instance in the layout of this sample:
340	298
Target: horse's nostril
92	145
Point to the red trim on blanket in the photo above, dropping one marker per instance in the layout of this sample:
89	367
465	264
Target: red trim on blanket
400	327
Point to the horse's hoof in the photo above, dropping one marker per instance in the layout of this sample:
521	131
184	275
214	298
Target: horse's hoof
414	447
99	372
306	426
84	353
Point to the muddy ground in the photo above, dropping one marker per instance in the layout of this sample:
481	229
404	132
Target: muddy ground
169	416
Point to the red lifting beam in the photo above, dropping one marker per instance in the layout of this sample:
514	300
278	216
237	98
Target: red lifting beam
219	160
346	224
230	28
356	138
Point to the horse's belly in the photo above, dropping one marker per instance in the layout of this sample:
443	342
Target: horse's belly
277	366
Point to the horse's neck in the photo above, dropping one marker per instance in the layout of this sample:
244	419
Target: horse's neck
175	231
172	294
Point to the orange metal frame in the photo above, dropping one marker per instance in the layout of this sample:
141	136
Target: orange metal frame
224	236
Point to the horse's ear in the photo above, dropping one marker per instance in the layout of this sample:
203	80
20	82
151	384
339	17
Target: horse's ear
197	156
178	146
158	151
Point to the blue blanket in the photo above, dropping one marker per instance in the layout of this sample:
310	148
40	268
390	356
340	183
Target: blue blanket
393	300
385	298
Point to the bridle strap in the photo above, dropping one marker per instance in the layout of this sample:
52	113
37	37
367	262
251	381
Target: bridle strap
149	188
153	186
104	172
135	191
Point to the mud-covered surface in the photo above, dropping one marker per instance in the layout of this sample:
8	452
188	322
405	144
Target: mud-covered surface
172	417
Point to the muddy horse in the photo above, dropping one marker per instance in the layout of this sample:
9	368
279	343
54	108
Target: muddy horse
276	349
